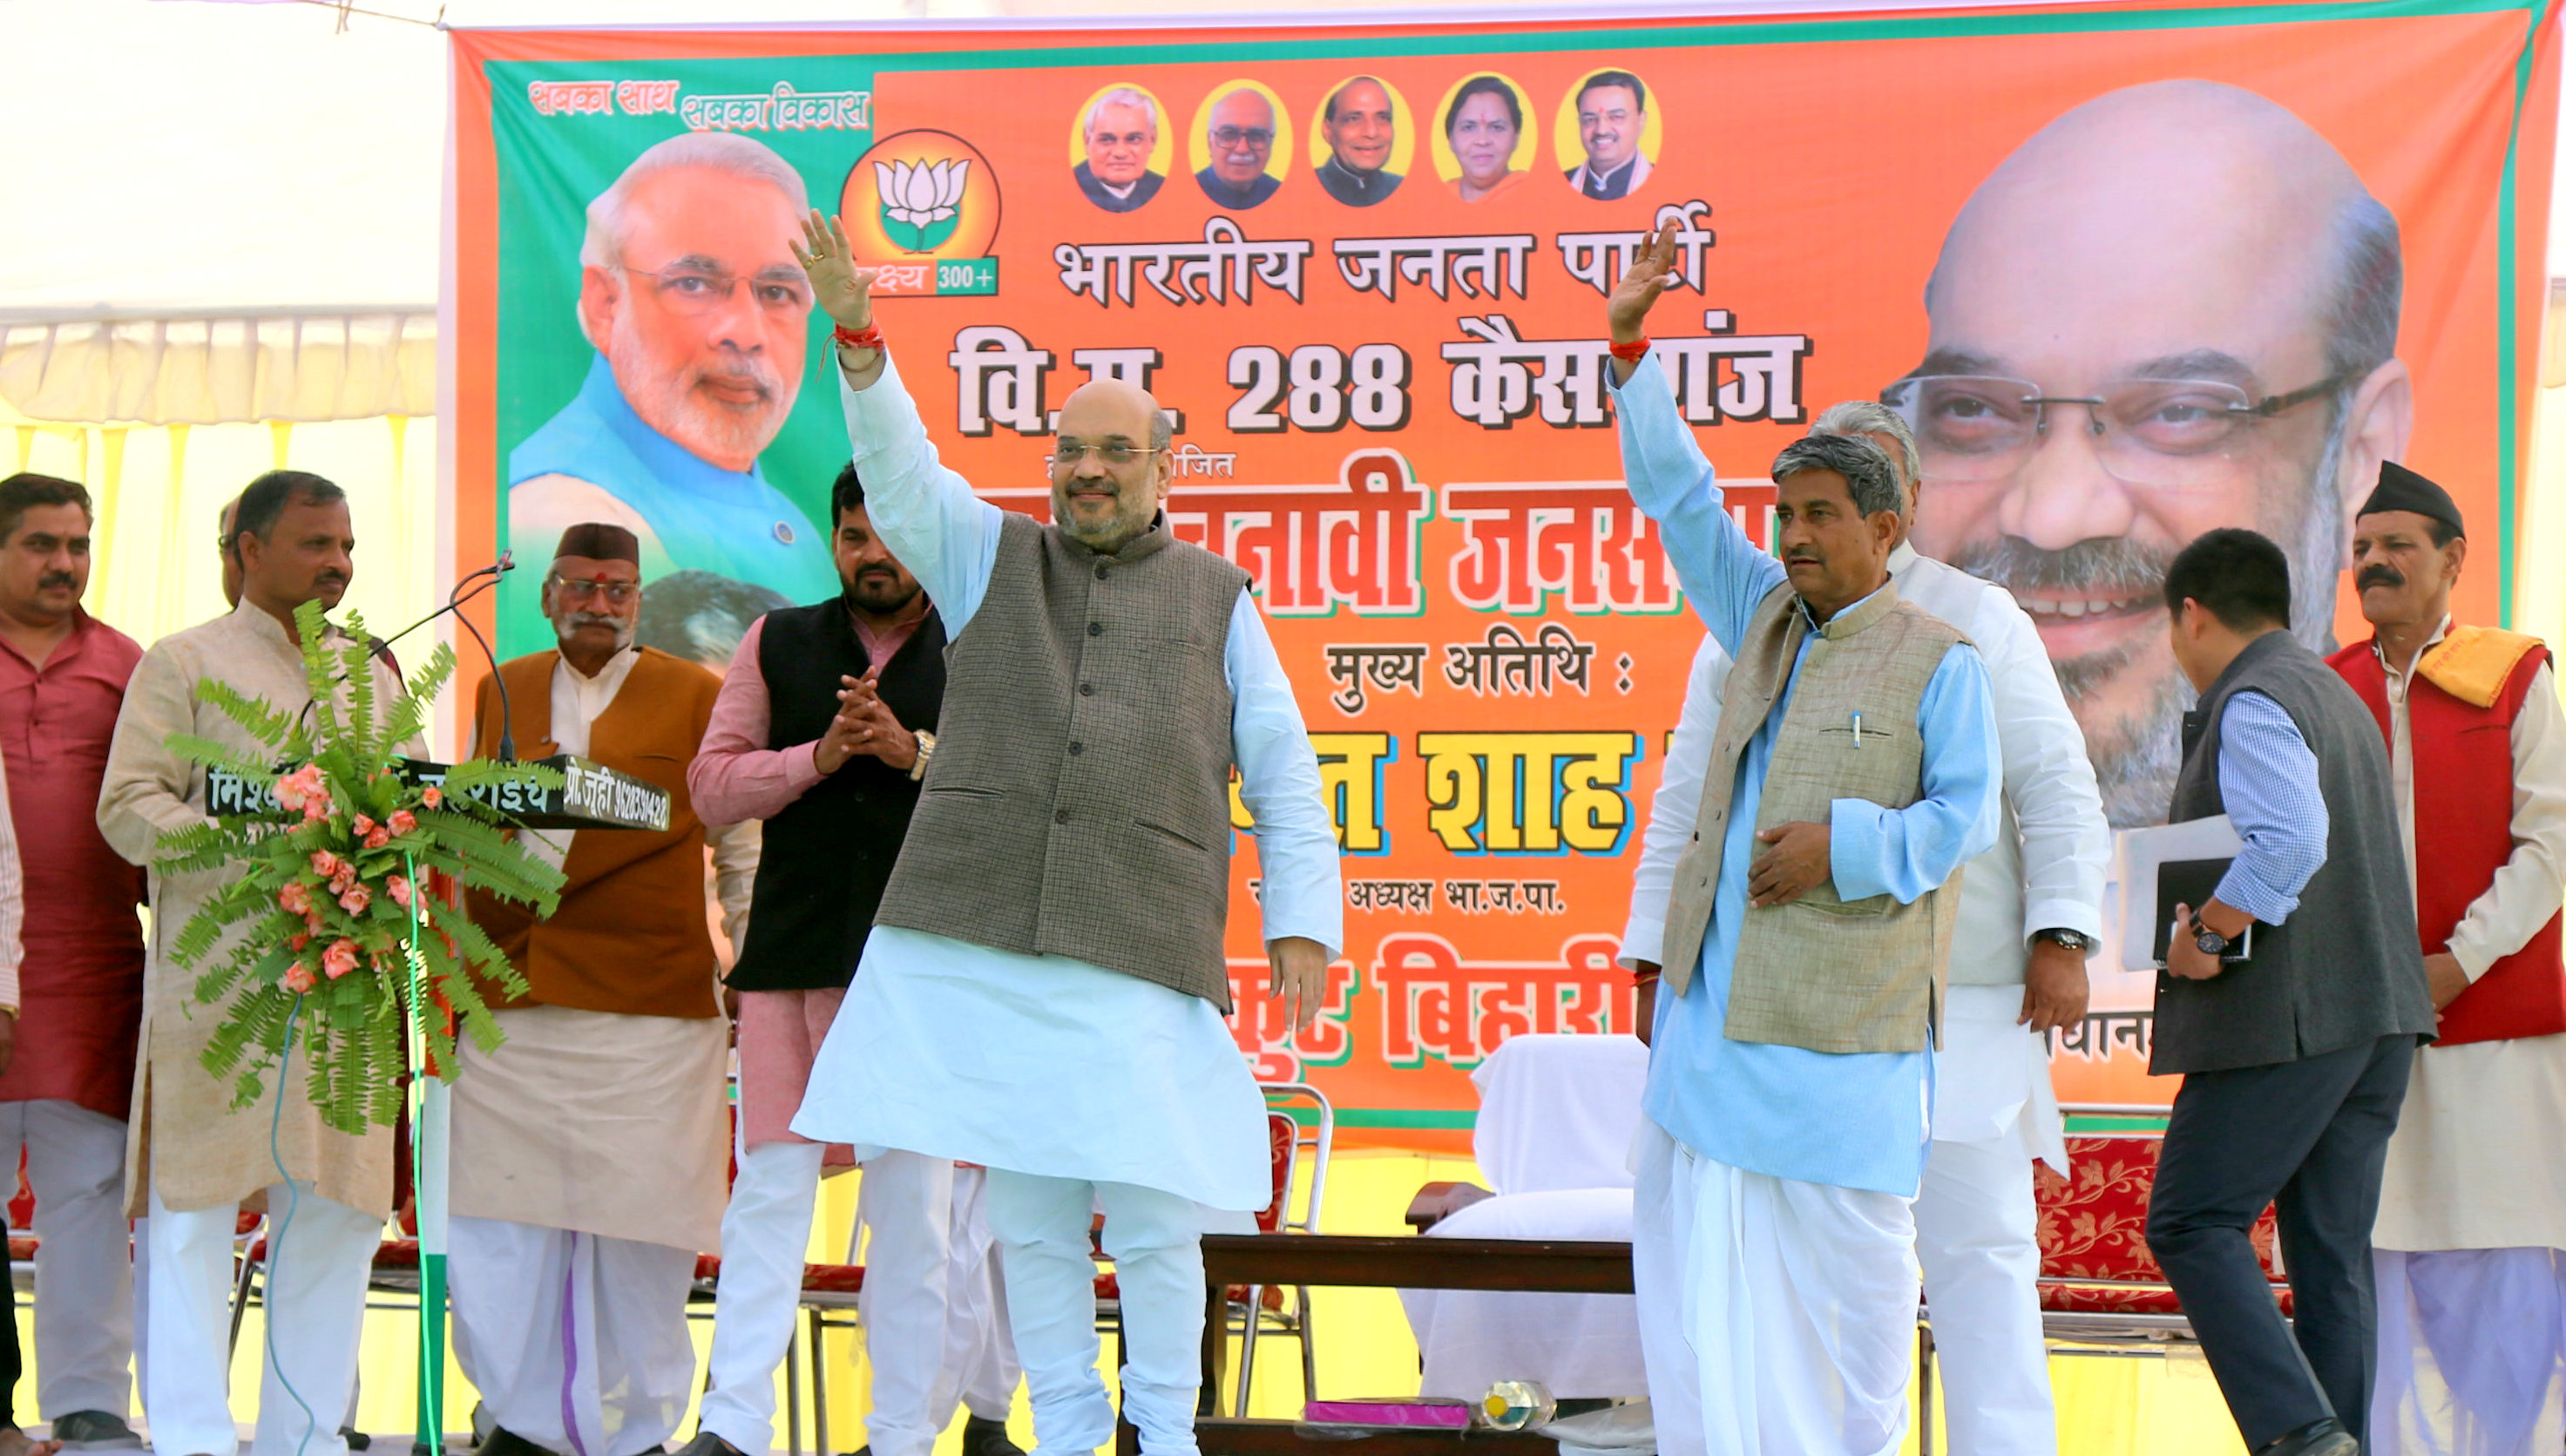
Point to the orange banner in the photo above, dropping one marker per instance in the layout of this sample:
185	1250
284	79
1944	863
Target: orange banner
1366	267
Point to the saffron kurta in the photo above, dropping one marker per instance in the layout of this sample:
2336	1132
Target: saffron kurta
185	1135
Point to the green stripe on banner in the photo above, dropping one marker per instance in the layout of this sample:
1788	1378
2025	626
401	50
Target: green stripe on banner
2094	1127
1764	33
2507	327
1405	1117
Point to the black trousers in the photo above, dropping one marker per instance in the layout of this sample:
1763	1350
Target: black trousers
11	1367
2309	1137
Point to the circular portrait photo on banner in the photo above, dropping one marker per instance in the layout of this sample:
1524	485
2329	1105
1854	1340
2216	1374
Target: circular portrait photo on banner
1361	138
1607	134
1120	147
1481	145
1241	145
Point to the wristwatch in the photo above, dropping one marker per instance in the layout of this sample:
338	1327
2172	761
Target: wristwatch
2210	941
2066	939
926	751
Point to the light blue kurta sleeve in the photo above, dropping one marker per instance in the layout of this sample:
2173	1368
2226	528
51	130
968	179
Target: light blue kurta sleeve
1902	853
2267	779
1278	781
924	512
1722	572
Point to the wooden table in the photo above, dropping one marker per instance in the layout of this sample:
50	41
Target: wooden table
1365	1262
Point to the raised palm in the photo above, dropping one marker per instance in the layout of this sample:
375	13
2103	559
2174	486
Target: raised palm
1652	270
841	290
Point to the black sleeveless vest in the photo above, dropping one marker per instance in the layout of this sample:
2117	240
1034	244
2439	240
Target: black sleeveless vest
828	856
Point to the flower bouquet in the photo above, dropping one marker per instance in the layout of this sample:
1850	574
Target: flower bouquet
345	893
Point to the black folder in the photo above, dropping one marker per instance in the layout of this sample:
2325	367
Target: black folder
2192	882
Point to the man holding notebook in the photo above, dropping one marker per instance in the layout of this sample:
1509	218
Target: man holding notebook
2291	1002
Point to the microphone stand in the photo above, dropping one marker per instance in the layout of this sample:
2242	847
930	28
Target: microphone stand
478	582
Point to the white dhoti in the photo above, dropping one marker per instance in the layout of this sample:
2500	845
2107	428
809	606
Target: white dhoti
2470	1256
318	1256
84	1270
589	1155
1978	1230
1778	1317
576	1342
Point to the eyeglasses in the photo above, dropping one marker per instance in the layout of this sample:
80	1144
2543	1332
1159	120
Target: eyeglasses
575	589
1112	453
2151	433
686	290
1228	136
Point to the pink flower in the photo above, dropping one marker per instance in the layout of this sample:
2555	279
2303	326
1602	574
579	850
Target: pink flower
295	898
354	898
312	921
297	789
325	864
339	958
315	810
399	889
299	978
378	837
299	941
364	824
345	876
434	798
402	820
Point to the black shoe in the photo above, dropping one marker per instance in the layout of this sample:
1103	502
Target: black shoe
982	1437
504	1442
83	1430
2317	1438
706	1443
357	1440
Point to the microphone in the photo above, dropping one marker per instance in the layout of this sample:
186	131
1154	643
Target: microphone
477	583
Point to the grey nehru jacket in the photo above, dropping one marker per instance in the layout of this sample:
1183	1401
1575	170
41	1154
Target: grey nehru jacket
1077	801
2347	966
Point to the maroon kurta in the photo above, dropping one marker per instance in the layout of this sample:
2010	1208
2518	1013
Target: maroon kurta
80	985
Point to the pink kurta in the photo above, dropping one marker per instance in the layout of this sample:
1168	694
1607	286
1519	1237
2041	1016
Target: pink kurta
81	982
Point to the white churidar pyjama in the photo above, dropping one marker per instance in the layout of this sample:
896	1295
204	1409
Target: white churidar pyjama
1778	1317
2471	1352
315	1293
1976	1236
766	1228
904	1207
1155	1239
84	1272
576	1342
980	1369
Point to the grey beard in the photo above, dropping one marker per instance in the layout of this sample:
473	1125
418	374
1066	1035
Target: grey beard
668	403
2138	757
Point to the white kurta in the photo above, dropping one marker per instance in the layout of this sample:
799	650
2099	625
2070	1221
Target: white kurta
1040	1063
2478	1160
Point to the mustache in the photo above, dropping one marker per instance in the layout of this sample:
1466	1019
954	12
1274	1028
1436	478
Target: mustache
748	370
2378	575
606	619
55	579
2107	565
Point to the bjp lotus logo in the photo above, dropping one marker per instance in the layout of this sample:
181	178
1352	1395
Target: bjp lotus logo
920	195
919	206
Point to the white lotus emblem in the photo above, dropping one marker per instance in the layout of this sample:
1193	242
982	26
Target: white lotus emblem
921	194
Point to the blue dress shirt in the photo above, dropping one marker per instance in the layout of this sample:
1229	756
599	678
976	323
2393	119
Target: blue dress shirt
1853	1120
2267	778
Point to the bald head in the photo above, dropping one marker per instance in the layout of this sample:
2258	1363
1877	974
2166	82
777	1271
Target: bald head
1111	467
1240	136
2204	295
2175	202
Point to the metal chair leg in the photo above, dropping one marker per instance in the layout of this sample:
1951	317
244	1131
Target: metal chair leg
792	1395
1924	1391
1247	1344
1309	1351
818	1388
240	1301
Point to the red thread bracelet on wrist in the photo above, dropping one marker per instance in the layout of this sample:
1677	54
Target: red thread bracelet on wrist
1632	352
870	336
1644	978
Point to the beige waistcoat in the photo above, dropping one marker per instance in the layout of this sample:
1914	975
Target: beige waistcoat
1822	972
